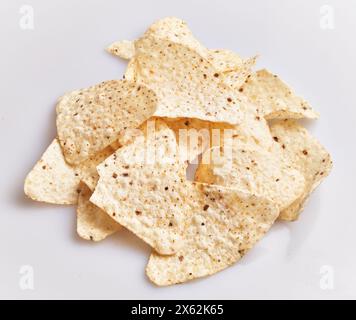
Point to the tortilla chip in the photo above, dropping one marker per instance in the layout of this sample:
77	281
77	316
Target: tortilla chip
253	169
170	28
93	223
224	224
191	90
175	30
124	49
87	169
276	99
168	43
89	120
142	193
304	153
52	180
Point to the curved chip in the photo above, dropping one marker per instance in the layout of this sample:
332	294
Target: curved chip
52	180
304	153
89	120
93	223
175	30
255	170
275	98
224	224
139	187
191	90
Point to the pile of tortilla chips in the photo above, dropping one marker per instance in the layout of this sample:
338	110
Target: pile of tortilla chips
124	146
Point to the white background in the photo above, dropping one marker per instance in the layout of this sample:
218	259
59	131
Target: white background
65	51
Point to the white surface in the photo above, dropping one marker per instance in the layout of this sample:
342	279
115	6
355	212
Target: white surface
65	51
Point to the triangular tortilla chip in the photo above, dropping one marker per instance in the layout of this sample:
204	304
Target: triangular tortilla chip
93	223
191	90
175	30
253	169
52	180
275	98
89	120
304	153
141	192
224	224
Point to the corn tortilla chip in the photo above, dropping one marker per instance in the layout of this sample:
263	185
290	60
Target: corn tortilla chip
143	194
170	28
89	120
304	153
255	170
153	60
175	30
124	49
194	90
93	223
87	169
276	99
224	224
52	180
